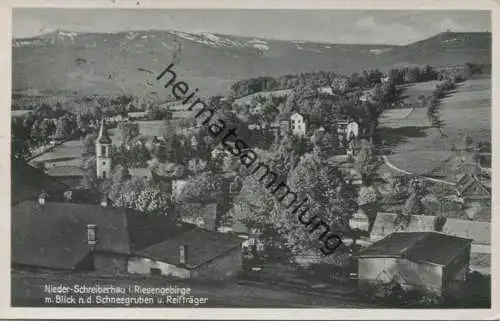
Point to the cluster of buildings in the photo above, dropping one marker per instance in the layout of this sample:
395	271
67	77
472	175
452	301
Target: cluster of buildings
82	237
51	233
431	253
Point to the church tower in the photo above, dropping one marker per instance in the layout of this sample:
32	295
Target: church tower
103	156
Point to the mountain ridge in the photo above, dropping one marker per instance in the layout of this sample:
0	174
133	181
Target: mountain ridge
82	63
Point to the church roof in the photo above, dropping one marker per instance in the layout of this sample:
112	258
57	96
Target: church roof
103	137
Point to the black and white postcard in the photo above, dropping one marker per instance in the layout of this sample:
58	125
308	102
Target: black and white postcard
178	159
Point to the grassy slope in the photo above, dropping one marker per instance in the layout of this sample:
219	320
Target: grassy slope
418	148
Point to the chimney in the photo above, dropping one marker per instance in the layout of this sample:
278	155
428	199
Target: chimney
104	202
183	252
91	236
41	198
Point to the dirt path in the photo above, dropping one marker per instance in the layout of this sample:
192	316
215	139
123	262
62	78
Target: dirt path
436	180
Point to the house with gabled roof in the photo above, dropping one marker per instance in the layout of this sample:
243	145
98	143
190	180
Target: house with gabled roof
470	188
426	261
69	175
198	253
68	236
27	182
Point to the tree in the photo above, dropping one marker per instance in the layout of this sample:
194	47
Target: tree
141	195
84	120
413	205
160	151
151	200
89	180
368	201
126	193
20	137
139	155
166	170
47	129
433	115
366	164
256	206
325	143
330	200
89	145
128	131
63	128
120	176
35	134
201	188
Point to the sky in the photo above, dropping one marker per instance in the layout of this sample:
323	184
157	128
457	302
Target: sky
331	26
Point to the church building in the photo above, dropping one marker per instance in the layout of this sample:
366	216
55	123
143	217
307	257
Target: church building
103	153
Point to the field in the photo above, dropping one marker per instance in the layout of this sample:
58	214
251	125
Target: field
69	153
146	128
417	147
411	93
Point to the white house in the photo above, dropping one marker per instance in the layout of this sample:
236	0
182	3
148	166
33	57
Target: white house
298	125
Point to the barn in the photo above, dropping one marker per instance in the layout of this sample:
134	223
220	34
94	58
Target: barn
426	261
199	254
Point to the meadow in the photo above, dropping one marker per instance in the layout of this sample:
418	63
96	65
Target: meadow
146	128
417	147
70	152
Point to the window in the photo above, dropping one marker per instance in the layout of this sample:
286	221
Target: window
103	151
104	174
155	271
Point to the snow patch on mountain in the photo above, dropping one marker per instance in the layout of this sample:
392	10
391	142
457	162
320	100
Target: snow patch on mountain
450	40
209	39
69	34
261	46
183	35
379	51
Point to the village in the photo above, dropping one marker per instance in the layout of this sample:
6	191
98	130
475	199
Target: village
134	189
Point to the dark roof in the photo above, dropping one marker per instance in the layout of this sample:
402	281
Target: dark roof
27	182
103	137
467	181
202	247
432	247
53	235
